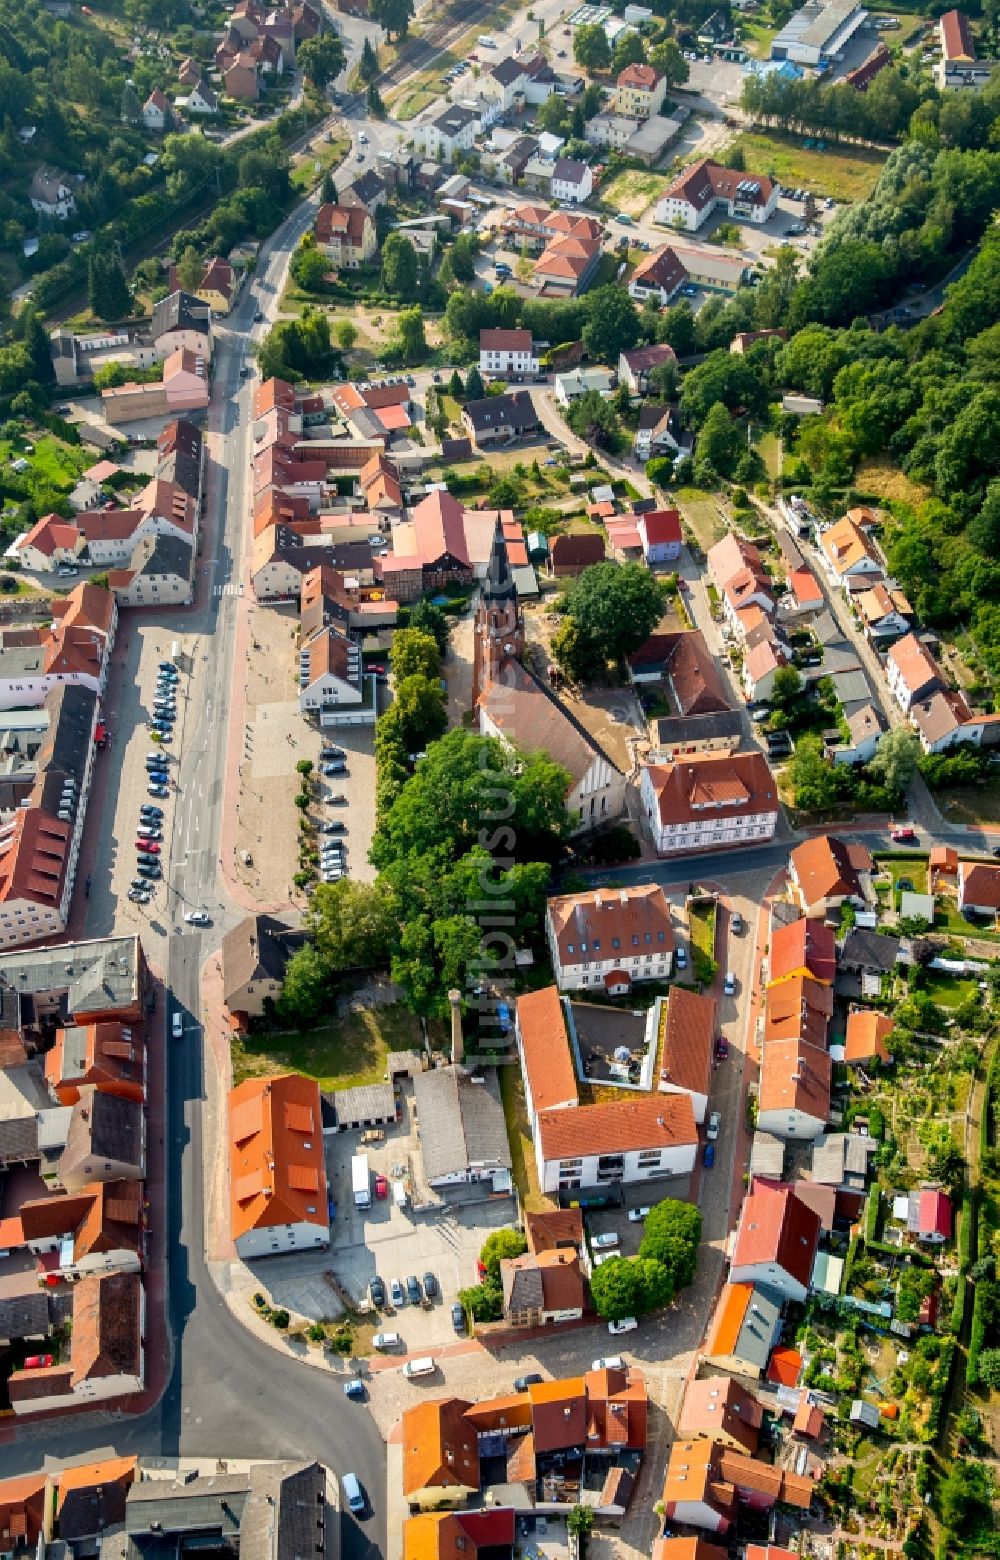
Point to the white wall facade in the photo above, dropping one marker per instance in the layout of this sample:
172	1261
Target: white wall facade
276	1239
638	1165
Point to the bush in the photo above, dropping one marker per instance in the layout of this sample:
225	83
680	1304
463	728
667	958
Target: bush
280	1319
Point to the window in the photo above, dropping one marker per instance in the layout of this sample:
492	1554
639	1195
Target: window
616	942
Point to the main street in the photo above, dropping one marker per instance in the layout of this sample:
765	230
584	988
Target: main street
229	1393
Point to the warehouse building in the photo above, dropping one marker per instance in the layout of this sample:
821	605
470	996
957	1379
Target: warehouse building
818	31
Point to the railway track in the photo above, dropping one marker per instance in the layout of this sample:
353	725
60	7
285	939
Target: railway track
419	52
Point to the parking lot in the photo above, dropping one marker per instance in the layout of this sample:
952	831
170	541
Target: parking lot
395	1242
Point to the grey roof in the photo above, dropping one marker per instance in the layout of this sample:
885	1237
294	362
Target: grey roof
841	1158
669	729
366	423
760	1327
367	187
89	1511
522	1287
297	1492
103	1126
767	1155
827	629
502	411
461	1122
18	1140
258	948
454	119
851	687
63	752
272	1511
367	1102
85	977
100	438
180	311
24	1316
605	1027
870	950
163	555
507	71
400	1062
158	1508
570	170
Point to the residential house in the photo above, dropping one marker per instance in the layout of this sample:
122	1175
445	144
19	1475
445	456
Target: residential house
182	322
912	672
776	1241
635	367
794	1098
979	888
347	235
576	382
686	1549
441	1535
610	938
543	1289
566	266
659	275
799	1008
367	190
106	1352
718	1409
201	100
885	612
500	419
620	1142
659	432
105	1141
745	339
695	1493
109	1055
802	950
90	1500
255	955
826	871
440	1454
156	111
544	1053
505	82
804	594
687	1035
277	1166
240	78
764	656
945	718
569	555
660	530
865	729
333	683
98	1230
507	354
572	180
745	1326
51	193
707	187
25	1513
865	1037
741	579
612	130
453	130
639	92
934	1219
849	554
709	802
159	573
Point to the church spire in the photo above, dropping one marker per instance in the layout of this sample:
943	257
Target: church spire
499	579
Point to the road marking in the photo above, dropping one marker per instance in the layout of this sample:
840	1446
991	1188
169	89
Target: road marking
229	589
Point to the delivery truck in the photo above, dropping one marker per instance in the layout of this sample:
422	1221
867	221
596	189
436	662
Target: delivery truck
361	1181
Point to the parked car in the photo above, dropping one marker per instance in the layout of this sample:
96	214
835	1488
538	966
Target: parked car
430	1285
337	800
386	1340
736	924
457	1317
708	1156
381	1188
177	1024
729	984
376	1291
714	1123
636	1215
681	958
333	826
139	896
396	1293
197	918
330	750
610	1362
602	1242
149	833
721	1048
904	834
38	1362
624	1324
149	872
147	810
355	1388
413	1291
522	1383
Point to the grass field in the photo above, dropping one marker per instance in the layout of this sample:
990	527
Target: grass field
883	480
769	450
701	512
701	923
633	191
53	470
341	1054
972	803
915	870
308	169
950	991
847	174
757	38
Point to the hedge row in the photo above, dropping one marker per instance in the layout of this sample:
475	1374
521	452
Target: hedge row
945	1362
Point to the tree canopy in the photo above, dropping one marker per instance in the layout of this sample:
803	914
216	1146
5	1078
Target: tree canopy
611	609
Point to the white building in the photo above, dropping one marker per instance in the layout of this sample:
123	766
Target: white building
332	682
618	1143
51	194
571	180
507	353
453	130
911	672
709	801
581	381
610	938
794	1098
707	188
818	31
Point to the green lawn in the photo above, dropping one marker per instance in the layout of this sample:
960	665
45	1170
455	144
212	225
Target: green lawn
901	867
522	1152
340	1054
972	803
306	173
53	467
847	174
950	991
702	924
757	38
948	918
769	450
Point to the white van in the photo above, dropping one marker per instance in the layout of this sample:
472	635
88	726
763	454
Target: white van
353	1493
422	1367
625	1324
387	1340
606	1241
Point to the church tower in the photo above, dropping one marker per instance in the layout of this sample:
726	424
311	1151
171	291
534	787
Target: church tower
499	628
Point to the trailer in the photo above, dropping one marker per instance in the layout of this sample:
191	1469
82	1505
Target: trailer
361	1181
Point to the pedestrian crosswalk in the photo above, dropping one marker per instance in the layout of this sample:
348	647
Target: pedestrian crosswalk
231	588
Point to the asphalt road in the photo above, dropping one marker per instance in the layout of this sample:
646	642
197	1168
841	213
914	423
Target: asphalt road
229	1394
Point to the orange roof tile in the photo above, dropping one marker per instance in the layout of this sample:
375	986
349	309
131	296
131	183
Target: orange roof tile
440	1447
270	1160
548	1066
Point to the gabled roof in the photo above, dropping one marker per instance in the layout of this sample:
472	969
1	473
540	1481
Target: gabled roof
918	671
732	785
707	181
642	76
688	1040
795	1076
440	1447
806	945
718	1403
107	1331
867	1032
694	1476
776	1229
558	1413
527	714
628	920
276	1158
934	1215
618	1126
663	268
541	1026
979	884
798	1008
846	544
827	868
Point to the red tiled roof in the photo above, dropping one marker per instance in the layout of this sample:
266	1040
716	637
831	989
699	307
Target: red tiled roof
733	785
545	1047
804	945
688	1040
776	1229
618	1127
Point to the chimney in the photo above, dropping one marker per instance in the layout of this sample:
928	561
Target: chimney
457	1042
